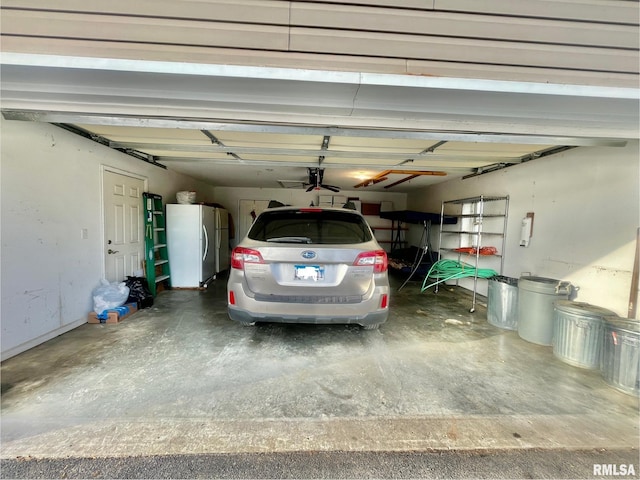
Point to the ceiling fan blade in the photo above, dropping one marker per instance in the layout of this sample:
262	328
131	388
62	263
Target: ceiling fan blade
311	188
333	188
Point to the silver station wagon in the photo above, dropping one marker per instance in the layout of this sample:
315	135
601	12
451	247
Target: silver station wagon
309	265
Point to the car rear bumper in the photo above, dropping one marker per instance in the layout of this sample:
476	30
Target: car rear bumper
311	306
372	318
319	309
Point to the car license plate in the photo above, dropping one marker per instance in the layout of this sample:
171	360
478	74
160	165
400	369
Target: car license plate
309	272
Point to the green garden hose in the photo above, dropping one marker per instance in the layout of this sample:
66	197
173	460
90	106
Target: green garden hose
444	270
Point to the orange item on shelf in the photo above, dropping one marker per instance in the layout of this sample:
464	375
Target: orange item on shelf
473	251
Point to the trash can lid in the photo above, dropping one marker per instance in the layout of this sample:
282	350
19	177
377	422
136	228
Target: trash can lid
503	279
583	309
623	324
528	278
542	284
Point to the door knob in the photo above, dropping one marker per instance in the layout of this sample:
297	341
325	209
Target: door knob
111	252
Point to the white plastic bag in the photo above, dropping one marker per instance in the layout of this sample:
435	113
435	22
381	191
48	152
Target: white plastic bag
109	295
186	197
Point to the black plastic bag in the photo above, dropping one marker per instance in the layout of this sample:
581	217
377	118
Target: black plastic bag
139	292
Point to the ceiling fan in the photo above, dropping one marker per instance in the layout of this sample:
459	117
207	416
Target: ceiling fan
315	181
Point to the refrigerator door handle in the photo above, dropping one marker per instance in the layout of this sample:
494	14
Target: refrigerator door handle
218	225
206	242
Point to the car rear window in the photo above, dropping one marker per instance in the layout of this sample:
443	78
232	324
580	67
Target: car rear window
314	226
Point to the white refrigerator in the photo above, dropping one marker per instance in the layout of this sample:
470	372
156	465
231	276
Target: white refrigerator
197	242
221	252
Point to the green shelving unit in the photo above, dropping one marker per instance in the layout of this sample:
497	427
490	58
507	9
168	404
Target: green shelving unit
155	240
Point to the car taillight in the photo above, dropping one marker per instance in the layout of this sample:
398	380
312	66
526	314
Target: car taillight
376	258
384	301
241	255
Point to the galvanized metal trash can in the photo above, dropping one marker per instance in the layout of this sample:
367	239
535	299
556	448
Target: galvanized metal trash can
536	296
502	302
621	354
578	331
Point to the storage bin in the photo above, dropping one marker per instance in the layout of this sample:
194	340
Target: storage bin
621	354
536	296
502	302
578	331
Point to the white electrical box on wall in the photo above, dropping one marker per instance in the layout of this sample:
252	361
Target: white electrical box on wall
526	230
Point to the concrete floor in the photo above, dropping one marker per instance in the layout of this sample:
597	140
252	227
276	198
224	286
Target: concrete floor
181	378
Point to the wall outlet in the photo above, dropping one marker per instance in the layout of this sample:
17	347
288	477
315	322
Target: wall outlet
84	233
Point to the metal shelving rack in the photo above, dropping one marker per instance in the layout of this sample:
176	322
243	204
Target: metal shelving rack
471	229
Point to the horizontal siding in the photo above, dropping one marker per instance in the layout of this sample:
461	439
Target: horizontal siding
593	11
245	11
464	26
464	50
206	55
144	30
412	4
564	41
596	11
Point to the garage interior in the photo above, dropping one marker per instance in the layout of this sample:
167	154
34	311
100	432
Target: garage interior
407	104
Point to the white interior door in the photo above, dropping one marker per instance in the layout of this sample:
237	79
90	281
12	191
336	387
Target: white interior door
123	223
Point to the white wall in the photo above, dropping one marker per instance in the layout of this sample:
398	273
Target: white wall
587	210
230	198
50	190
